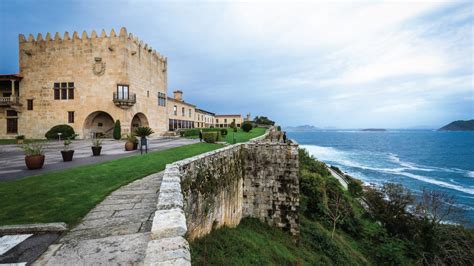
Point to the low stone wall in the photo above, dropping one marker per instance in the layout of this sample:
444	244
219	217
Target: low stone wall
255	179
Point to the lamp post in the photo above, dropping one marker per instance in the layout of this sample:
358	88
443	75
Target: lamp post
59	136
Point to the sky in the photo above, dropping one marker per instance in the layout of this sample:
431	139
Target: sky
392	64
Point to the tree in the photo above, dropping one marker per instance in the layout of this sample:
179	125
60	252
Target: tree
389	205
263	120
247	126
337	207
117	130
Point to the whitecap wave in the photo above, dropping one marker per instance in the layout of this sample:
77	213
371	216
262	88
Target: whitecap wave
438	183
329	154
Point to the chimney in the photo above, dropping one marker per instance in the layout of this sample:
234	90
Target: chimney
178	95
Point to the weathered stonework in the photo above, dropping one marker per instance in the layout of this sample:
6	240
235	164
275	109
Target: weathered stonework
96	65
255	179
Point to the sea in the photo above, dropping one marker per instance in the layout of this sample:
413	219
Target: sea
435	160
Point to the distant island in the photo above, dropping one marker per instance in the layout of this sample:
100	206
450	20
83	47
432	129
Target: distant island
303	128
373	129
460	125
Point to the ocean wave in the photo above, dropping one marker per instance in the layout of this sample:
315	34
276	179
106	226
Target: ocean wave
438	183
344	158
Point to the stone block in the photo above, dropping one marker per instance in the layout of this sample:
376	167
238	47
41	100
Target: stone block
170	200
170	187
168	223
168	251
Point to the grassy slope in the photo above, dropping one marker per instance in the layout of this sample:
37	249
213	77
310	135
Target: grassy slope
254	243
66	196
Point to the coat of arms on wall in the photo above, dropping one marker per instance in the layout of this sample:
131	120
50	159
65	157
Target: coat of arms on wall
99	67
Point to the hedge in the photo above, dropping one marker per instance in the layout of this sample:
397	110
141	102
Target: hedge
194	132
211	137
66	132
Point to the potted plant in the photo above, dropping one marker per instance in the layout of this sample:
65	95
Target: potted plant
66	152
96	147
34	155
20	139
143	132
132	142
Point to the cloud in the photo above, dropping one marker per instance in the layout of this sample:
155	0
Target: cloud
341	63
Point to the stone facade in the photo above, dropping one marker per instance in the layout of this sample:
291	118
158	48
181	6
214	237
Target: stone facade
204	119
91	68
180	113
226	120
219	188
89	82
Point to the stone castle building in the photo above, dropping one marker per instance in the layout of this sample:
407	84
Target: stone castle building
89	82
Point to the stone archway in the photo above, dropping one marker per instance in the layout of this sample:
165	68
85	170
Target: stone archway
138	120
98	124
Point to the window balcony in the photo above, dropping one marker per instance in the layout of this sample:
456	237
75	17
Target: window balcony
124	101
10	101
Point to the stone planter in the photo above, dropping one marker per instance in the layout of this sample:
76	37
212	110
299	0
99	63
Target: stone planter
96	150
67	155
34	161
129	146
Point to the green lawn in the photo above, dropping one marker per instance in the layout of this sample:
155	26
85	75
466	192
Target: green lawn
241	136
67	196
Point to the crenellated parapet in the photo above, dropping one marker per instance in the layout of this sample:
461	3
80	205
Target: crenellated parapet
30	42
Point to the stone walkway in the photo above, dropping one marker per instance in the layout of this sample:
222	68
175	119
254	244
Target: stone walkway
116	231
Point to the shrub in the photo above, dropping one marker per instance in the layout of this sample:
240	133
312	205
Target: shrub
143	131
194	132
33	149
224	131
131	138
210	137
355	187
117	130
65	130
247	126
97	143
278	128
20	137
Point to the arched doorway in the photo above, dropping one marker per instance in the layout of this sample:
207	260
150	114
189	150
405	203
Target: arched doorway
139	120
98	124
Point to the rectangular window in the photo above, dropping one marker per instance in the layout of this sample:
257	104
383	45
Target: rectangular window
161	99
175	110
12	125
70	117
56	94
182	111
122	92
63	94
29	104
189	112
63	90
